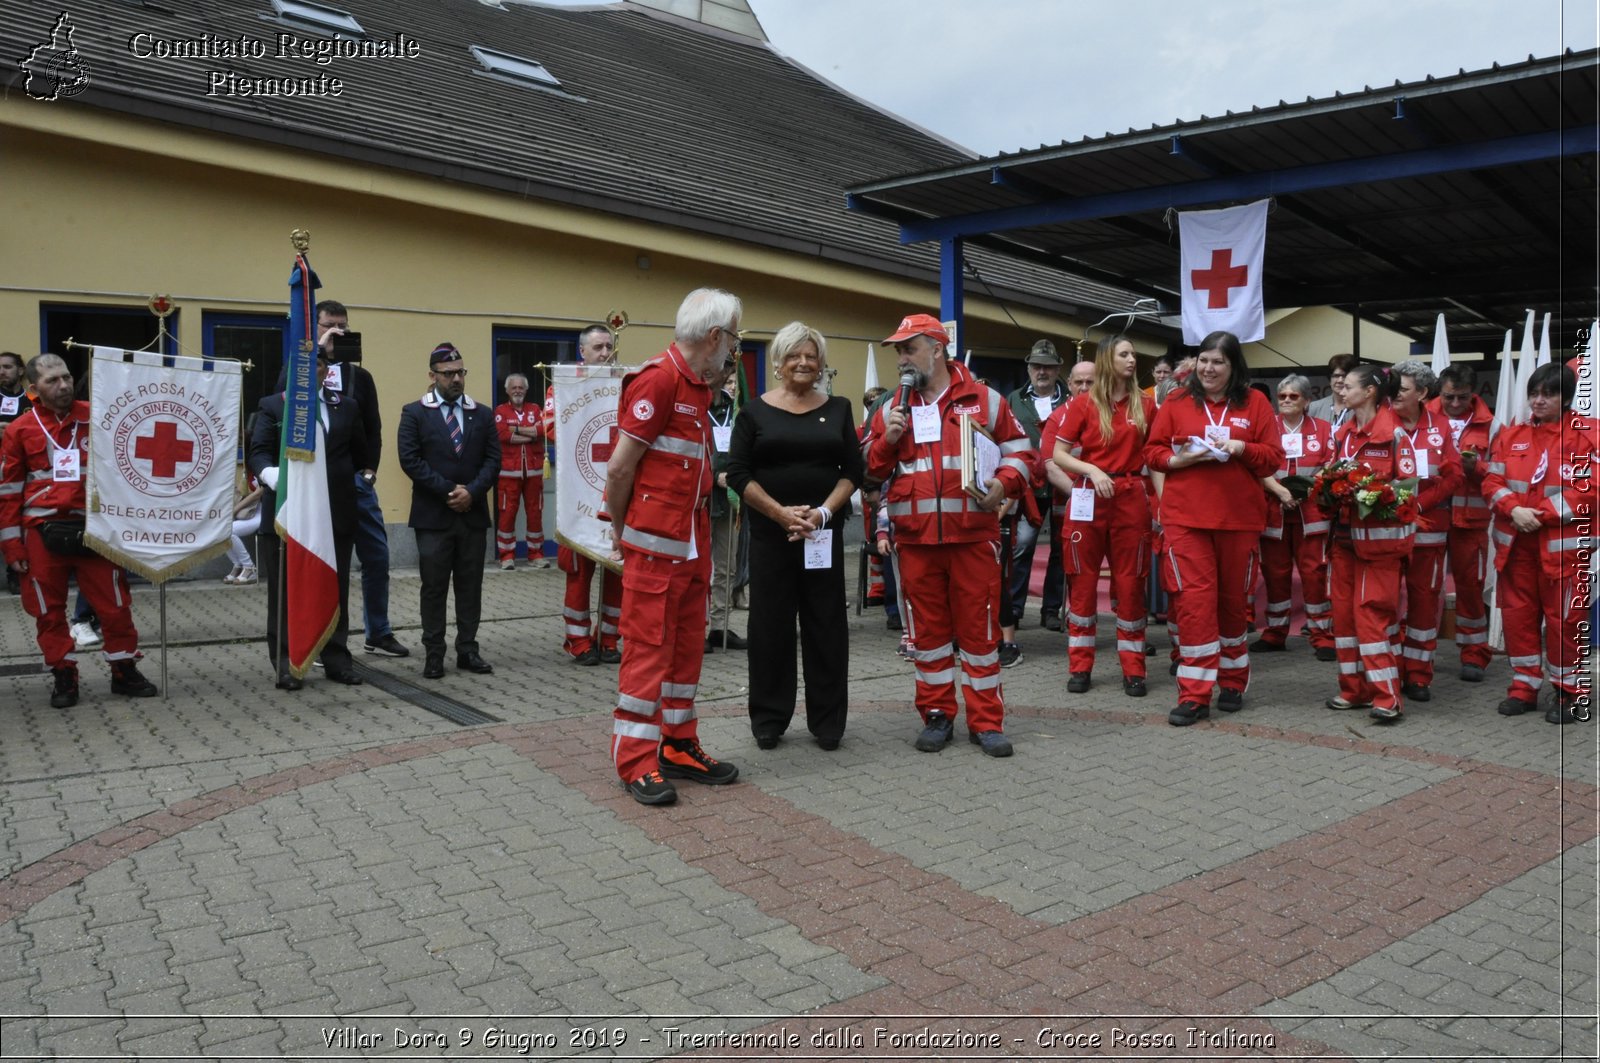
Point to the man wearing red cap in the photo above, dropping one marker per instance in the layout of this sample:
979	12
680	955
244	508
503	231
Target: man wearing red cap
948	542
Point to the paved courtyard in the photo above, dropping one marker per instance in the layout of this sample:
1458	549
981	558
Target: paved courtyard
450	870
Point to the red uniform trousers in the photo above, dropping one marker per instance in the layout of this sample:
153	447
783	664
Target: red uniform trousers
1529	598
952	596
575	613
1214	571
664	622
1121	531
525	493
1279	559
44	597
1469	564
1424	580
1366	602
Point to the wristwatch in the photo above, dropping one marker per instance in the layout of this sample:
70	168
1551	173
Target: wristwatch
369	476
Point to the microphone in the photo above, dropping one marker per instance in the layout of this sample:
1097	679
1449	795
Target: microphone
908	383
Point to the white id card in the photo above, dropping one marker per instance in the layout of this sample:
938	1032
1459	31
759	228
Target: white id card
1422	464
333	380
9	404
722	437
1217	434
819	549
1082	503
1293	445
925	424
66	465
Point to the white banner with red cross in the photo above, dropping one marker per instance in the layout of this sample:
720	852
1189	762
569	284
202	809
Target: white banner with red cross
163	443
585	434
1222	253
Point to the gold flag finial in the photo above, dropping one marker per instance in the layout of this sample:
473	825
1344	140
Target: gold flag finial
301	239
161	305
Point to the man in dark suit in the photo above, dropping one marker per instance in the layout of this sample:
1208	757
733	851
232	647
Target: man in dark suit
344	453
449	448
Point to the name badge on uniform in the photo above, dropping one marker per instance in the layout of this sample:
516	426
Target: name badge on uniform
1293	445
1218	434
1422	463
8	405
925	424
333	380
1082	504
722	437
819	549
66	465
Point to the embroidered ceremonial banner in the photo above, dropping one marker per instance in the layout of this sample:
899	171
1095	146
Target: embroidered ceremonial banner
1222	252
586	433
163	436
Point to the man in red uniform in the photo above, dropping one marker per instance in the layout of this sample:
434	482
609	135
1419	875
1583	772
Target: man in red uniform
658	482
1472	429
521	484
1540	483
44	457
596	346
948	542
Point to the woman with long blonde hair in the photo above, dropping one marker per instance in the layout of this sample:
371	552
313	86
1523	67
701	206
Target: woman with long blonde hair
1101	446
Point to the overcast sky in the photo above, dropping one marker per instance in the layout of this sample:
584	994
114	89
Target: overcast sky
1001	75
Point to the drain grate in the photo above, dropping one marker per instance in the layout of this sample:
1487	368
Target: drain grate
34	668
422	698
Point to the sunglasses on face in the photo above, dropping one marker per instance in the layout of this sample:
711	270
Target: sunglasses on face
1284	396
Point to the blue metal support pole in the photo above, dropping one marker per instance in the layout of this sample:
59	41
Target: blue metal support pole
952	270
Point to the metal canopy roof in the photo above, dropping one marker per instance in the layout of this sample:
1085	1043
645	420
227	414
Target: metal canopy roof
1473	194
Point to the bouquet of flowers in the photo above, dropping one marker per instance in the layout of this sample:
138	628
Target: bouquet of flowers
1345	486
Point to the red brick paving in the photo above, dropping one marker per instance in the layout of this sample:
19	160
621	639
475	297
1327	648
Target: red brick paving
1219	944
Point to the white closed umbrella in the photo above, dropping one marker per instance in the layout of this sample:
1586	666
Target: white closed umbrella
1505	410
1441	348
1519	396
872	369
1544	344
1503	406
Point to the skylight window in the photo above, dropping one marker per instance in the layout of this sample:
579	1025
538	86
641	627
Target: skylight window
515	67
318	15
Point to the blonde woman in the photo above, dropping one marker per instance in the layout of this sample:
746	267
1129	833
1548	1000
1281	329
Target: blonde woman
1101	446
794	460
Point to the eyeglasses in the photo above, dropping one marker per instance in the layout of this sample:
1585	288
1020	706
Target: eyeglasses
448	373
1287	395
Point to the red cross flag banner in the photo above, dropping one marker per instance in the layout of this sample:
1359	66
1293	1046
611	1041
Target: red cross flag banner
163	441
586	432
1222	253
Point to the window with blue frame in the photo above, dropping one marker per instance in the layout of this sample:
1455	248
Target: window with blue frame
128	327
260	340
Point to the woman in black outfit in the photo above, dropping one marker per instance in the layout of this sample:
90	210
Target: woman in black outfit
795	461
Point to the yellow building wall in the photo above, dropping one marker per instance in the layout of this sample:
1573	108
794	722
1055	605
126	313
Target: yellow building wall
105	210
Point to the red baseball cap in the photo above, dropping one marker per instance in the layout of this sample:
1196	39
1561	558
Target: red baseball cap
920	325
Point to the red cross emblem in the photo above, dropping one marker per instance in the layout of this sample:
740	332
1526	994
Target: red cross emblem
1218	281
600	449
163	450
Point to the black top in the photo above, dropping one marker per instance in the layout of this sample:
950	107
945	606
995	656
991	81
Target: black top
797	458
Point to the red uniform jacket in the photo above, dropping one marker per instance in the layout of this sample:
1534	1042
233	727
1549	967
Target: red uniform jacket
1222	496
523	459
1382	446
1467	506
29	492
1548	468
1431	437
663	405
1316	450
925	500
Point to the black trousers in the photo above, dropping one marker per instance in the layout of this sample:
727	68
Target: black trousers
336	654
446	556
782	591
